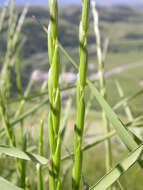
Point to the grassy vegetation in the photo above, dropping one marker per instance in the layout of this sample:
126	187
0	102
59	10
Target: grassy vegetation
52	133
124	48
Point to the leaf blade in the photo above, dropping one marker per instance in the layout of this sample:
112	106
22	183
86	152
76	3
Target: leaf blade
6	185
17	153
118	170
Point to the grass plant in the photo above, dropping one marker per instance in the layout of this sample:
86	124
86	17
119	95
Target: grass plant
102	85
80	97
39	167
21	142
54	98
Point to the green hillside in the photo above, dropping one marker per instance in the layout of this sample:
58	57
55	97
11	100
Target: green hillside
122	25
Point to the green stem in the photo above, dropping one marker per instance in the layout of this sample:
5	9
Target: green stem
39	167
6	73
102	86
81	83
22	163
54	98
3	14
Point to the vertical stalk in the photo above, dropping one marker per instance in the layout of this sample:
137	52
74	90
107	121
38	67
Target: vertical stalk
3	14
18	73
19	26
22	102
125	105
5	74
102	85
80	96
5	79
39	168
54	98
13	39
5	120
21	164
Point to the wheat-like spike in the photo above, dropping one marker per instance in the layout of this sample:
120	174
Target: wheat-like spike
5	73
54	98
3	14
81	82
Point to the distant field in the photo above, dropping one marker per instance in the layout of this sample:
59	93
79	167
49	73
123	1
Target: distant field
122	25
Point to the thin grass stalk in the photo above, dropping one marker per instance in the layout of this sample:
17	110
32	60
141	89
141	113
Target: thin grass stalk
5	120
21	164
3	14
102	85
19	26
80	97
22	102
5	73
6	84
13	39
128	99
125	104
39	167
54	98
120	185
9	132
18	46
5	79
18	73
127	110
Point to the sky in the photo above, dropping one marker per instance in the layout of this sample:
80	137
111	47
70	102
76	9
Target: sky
64	2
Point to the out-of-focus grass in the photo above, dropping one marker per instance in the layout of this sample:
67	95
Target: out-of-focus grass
93	163
95	169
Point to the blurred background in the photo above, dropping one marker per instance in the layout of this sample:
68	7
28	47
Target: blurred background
121	27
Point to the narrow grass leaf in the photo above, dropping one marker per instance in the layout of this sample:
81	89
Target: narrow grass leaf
118	170
16	153
119	126
121	130
6	185
125	105
128	99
